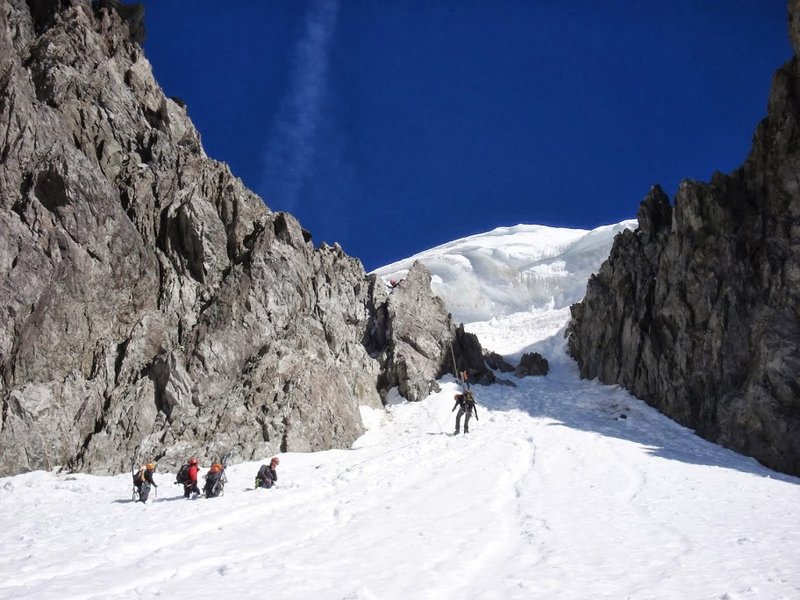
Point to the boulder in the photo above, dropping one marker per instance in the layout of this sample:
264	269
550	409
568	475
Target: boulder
532	364
497	362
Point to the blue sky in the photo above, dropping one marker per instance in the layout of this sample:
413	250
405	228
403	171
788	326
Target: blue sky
393	126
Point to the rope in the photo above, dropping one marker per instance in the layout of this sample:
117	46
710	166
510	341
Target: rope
455	368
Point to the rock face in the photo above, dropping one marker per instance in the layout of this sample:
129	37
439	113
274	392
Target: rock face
698	311
414	338
532	364
497	362
151	304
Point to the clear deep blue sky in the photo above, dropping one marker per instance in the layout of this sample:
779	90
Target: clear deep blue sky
393	126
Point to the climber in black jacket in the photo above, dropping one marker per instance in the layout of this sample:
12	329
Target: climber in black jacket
465	402
268	475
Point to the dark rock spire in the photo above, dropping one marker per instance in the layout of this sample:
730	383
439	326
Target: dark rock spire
698	311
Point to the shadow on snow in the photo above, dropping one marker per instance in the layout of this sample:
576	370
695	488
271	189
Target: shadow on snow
610	410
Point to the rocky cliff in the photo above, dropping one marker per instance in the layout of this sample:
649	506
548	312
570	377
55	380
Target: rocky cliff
698	311
151	304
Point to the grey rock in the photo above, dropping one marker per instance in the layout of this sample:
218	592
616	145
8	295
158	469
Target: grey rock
698	311
132	14
497	362
416	339
532	364
469	356
153	306
794	25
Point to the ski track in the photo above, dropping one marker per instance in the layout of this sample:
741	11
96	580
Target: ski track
564	489
553	494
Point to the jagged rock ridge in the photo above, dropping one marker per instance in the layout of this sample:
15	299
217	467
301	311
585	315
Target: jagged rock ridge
698	311
151	303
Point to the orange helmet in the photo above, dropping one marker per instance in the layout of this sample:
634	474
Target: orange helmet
150	466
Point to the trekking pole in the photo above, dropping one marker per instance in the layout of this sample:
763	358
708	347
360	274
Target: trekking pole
134	495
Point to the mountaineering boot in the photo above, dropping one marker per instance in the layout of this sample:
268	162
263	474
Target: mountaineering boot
456	432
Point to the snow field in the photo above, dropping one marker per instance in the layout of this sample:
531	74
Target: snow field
564	488
551	495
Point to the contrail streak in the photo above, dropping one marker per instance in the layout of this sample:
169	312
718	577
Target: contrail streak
291	147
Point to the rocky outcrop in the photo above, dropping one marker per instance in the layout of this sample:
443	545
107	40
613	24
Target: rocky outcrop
532	364
497	362
151	304
416	342
698	311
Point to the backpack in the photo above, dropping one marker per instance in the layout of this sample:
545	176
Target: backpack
183	474
215	483
139	476
469	399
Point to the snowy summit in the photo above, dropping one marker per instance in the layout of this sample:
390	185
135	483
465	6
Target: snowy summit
564	488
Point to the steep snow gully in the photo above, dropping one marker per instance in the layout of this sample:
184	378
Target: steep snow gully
564	488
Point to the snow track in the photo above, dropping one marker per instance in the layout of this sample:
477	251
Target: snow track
553	494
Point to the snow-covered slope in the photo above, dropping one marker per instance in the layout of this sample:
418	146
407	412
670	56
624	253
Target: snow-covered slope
564	488
513	269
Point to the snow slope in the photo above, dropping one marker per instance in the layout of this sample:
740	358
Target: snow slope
564	488
513	269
